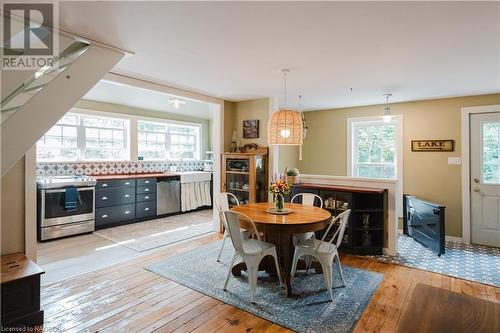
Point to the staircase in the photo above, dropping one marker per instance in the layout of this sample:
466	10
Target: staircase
36	104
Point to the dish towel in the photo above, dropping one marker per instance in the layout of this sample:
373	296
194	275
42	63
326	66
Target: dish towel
194	195
70	197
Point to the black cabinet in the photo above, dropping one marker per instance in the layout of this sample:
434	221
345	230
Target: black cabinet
113	214
123	201
365	231
114	196
145	209
112	183
145	197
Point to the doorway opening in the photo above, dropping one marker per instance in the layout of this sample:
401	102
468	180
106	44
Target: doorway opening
149	150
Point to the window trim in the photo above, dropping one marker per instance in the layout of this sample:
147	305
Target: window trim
398	119
132	139
199	142
81	137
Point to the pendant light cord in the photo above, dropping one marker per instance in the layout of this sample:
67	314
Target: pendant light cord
284	88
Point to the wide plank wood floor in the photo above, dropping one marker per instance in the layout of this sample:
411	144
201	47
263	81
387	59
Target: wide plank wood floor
127	298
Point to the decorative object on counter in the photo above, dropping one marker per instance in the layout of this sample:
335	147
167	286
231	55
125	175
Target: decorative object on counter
278	189
292	176
249	147
250	129
330	203
367	239
285	125
45	169
366	220
234	144
432	145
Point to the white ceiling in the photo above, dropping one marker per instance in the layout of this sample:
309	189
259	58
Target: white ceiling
112	92
414	50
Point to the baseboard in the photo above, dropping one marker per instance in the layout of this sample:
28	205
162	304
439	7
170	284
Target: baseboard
446	237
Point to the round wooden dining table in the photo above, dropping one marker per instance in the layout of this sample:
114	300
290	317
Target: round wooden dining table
279	230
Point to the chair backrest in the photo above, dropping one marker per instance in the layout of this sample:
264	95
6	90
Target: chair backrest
339	234
308	199
222	201
233	226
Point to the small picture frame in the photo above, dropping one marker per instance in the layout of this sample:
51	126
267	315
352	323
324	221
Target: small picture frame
250	129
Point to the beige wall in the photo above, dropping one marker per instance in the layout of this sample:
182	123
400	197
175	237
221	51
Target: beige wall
425	174
246	110
12	206
228	124
116	108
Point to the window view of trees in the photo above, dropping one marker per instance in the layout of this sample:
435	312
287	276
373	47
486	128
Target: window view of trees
490	147
374	149
168	141
87	138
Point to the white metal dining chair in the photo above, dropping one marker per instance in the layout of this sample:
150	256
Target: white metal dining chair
250	250
309	200
325	252
222	205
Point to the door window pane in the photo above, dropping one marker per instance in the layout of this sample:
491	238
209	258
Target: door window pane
490	155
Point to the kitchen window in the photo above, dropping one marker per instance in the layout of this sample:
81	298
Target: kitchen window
373	147
81	137
162	140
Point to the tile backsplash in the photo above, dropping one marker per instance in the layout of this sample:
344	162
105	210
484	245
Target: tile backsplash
113	168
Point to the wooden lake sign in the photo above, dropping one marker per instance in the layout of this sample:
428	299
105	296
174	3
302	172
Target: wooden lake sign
432	145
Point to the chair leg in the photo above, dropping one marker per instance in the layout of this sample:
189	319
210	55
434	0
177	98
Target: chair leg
294	263
308	260
229	271
226	235
275	256
340	269
252	271
329	281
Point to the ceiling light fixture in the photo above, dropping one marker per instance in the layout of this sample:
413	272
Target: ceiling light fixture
285	125
387	117
177	102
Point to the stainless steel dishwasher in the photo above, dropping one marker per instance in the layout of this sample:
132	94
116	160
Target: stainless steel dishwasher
168	195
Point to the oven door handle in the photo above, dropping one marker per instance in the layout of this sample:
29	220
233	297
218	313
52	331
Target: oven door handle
64	190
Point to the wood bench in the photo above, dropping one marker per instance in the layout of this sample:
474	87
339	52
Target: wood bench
20	292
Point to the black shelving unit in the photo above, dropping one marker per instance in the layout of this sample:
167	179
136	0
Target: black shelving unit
368	205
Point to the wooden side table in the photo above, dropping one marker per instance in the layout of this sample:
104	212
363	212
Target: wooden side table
20	292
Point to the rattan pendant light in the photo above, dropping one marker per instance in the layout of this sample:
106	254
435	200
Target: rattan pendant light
285	125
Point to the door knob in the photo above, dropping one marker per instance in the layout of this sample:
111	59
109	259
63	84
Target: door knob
476	189
476	180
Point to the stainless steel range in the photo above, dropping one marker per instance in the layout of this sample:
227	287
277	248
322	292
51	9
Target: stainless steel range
66	206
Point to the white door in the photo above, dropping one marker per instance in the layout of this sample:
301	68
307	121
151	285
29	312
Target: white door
485	178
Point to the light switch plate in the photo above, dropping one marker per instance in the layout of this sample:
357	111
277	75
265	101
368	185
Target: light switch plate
454	161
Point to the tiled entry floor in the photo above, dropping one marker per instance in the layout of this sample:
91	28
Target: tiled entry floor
471	262
72	256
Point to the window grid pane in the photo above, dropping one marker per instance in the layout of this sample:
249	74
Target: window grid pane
374	150
83	137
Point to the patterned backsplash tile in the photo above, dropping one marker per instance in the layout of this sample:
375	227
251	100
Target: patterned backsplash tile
112	168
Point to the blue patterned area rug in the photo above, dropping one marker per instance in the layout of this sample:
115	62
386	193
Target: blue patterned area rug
309	310
471	262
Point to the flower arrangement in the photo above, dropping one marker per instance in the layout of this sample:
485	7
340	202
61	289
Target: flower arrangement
278	188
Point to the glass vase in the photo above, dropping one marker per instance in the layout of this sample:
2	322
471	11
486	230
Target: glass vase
279	202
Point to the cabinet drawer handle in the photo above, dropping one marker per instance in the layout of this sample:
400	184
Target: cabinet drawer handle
104	216
104	185
127	212
104	198
127	195
146	209
127	183
146	197
146	182
146	190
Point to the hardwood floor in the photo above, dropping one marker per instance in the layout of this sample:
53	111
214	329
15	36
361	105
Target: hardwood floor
67	257
127	298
